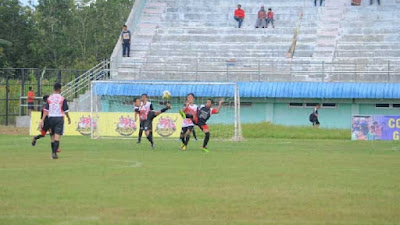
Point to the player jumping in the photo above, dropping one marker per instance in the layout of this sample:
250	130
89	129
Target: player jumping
144	108
149	115
187	124
55	109
203	114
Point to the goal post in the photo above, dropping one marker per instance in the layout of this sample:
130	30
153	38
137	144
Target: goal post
111	104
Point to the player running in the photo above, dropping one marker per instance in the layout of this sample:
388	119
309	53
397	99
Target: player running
46	127
144	108
150	115
55	109
187	124
203	114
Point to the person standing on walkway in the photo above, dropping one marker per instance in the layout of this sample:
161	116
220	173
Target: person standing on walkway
126	38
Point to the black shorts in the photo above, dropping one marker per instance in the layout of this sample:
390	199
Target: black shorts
315	121
31	105
185	129
148	124
202	124
142	122
56	125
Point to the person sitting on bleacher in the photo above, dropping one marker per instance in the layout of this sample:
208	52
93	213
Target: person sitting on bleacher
270	18
320	2
239	15
261	19
372	2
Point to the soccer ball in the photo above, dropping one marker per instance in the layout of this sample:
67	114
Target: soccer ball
166	94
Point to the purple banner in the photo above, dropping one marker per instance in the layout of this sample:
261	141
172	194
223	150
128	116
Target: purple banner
375	127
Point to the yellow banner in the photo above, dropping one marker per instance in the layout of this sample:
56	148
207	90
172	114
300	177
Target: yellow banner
114	124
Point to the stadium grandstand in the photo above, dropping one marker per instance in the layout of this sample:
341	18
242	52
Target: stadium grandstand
196	40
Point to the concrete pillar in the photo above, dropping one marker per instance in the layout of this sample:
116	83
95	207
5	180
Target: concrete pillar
269	117
355	109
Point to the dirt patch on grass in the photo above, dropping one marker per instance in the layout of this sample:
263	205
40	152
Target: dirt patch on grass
11	130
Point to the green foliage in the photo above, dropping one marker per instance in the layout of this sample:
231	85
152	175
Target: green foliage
60	33
258	181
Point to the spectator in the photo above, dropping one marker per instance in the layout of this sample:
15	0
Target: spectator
239	15
270	18
126	41
314	116
261	20
372	2
320	2
31	100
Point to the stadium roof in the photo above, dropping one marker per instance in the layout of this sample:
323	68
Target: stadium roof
257	89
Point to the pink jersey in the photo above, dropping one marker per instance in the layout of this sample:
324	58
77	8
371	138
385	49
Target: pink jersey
191	110
144	110
56	106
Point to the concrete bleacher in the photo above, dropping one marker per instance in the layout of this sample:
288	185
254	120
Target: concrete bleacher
187	39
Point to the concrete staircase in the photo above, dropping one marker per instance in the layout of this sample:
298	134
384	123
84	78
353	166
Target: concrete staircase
328	29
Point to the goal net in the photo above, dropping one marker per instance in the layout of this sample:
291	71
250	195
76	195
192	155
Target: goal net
113	116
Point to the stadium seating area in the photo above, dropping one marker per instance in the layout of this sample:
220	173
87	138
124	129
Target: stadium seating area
192	40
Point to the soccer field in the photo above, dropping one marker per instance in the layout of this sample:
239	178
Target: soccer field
258	181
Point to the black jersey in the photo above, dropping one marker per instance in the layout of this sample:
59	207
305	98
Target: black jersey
42	112
204	113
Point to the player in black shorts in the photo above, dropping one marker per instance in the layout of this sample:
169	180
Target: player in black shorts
203	114
144	108
148	123
55	109
46	125
187	124
314	116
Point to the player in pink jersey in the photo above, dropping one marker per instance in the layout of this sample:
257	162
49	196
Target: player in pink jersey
187	125
55	109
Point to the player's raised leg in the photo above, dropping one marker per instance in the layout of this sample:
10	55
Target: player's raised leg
149	123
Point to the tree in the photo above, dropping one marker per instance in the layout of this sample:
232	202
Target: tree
16	33
60	33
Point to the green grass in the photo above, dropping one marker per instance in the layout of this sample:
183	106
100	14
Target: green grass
258	181
268	130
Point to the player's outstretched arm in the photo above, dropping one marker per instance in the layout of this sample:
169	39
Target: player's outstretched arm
219	106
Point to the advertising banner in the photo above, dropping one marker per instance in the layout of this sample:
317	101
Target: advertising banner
113	124
375	127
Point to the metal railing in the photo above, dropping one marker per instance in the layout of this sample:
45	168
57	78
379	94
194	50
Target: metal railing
15	83
220	69
80	84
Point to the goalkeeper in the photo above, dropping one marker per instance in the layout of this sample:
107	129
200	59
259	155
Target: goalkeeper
148	123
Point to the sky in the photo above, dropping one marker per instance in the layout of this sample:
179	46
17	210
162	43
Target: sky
26	2
35	2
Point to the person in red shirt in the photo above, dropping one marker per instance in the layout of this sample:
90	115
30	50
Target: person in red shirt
270	18
31	100
239	15
261	18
